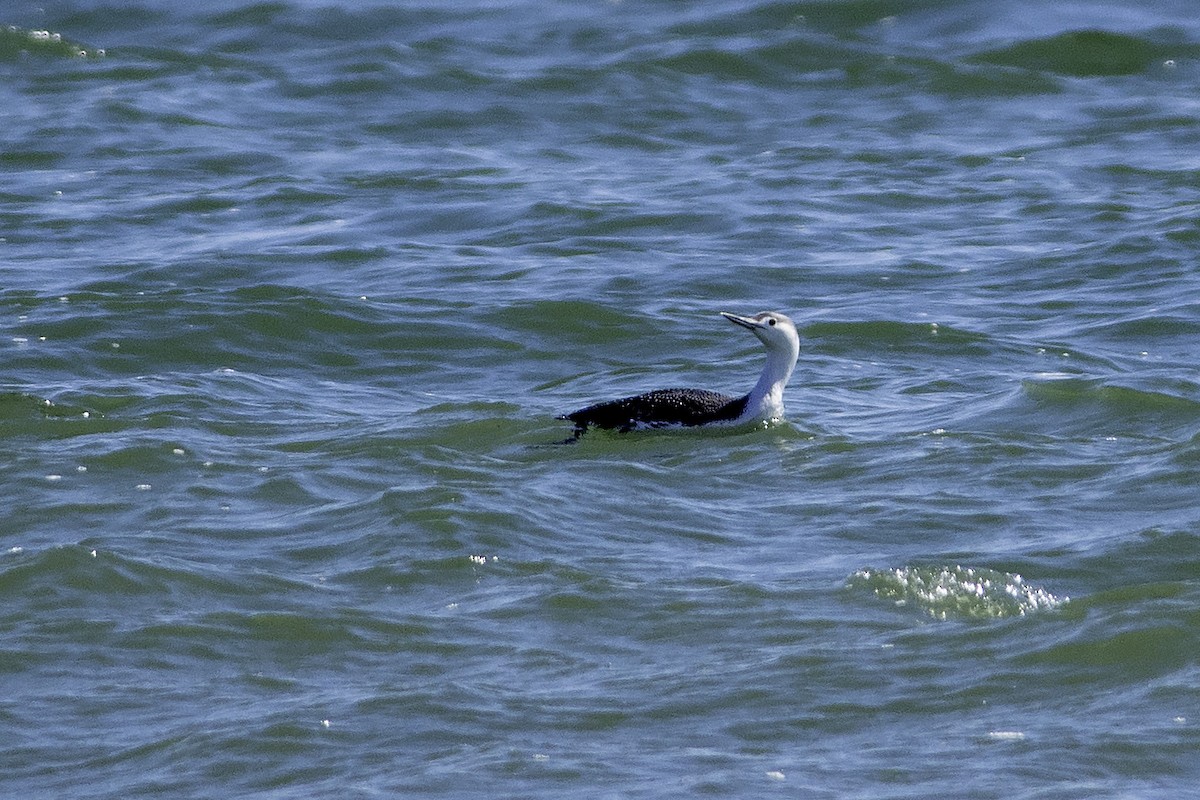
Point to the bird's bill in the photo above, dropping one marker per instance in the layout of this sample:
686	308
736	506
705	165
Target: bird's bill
745	322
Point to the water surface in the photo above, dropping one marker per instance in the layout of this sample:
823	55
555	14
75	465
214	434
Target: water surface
291	293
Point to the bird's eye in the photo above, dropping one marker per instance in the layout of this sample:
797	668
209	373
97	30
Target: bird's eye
771	321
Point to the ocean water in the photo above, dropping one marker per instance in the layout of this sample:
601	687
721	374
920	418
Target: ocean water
292	292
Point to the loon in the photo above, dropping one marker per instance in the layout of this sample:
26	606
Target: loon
691	407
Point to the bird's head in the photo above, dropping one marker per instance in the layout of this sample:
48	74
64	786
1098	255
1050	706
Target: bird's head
774	330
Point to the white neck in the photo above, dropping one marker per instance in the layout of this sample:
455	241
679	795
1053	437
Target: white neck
766	398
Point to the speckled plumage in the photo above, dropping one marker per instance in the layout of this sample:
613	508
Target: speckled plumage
660	408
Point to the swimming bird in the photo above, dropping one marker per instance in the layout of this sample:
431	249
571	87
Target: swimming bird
690	407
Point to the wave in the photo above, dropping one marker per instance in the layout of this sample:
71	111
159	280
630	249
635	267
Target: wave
874	334
1114	400
64	577
1085	53
956	592
118	331
431	51
1140	622
17	42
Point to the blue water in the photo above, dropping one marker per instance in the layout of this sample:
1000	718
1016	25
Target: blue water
291	294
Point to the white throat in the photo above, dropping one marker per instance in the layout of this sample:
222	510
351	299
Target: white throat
766	398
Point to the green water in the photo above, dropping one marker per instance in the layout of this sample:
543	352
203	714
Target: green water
292	293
